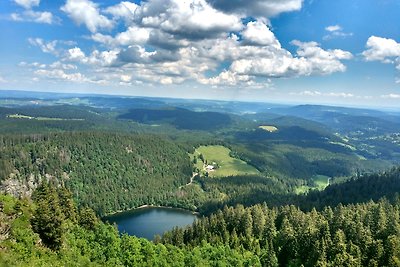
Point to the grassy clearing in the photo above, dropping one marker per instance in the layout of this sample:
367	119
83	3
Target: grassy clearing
320	182
227	166
268	128
19	116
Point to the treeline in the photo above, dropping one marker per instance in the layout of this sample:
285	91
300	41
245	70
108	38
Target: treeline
295	160
250	190
355	190
105	171
245	189
355	235
53	232
180	118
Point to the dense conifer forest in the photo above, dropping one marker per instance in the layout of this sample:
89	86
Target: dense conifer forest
297	196
108	172
51	229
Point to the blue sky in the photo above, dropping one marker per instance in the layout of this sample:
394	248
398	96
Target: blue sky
293	51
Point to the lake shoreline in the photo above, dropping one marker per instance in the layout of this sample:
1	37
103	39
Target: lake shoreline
145	206
147	221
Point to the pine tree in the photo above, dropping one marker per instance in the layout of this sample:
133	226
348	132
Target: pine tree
47	218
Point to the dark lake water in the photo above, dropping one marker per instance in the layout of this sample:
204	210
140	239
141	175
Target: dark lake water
148	222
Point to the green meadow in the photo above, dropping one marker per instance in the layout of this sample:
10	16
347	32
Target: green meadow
219	157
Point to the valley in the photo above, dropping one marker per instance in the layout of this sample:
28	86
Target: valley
118	154
199	133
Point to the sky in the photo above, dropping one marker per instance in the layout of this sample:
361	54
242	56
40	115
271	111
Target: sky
283	51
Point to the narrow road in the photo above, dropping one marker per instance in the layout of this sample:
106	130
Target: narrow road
191	180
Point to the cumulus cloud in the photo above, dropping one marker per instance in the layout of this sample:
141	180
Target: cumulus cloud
77	55
49	47
35	65
87	13
326	94
257	8
95	58
385	50
257	33
124	10
34	16
277	62
60	74
336	31
381	49
173	41
60	65
133	35
27	3
227	78
194	19
333	28
30	15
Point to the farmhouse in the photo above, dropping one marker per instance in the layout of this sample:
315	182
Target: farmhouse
210	167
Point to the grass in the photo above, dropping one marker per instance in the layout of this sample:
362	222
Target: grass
320	182
228	166
19	116
268	128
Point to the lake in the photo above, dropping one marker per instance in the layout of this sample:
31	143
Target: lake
151	221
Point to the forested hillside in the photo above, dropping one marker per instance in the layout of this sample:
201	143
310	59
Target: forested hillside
180	118
249	191
356	235
51	231
108	172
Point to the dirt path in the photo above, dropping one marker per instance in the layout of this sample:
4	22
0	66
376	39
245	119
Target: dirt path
191	180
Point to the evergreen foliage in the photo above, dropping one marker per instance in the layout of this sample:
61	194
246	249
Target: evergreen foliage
98	245
356	235
105	171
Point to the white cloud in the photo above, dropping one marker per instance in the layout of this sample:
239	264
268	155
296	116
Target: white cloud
194	19
77	55
35	65
391	96
124	10
2	80
333	28
96	58
324	94
381	49
35	16
173	41
278	62
257	33
126	78
49	47
257	8
336	31
60	74
384	50
227	78
344	95
133	35
27	3
88	13
59	65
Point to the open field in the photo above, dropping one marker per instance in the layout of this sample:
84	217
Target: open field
320	182
268	128
19	116
227	166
